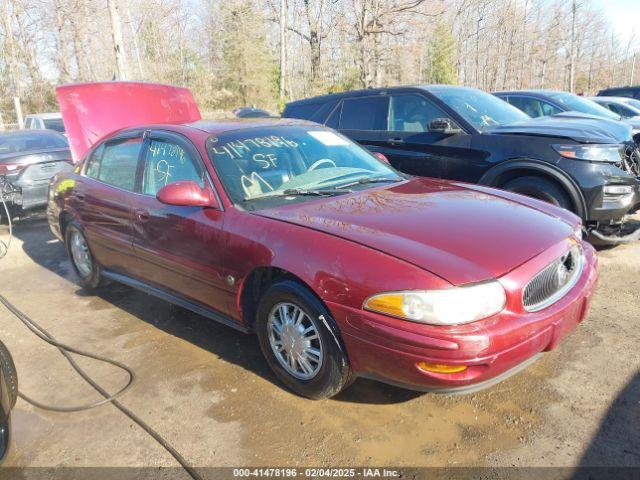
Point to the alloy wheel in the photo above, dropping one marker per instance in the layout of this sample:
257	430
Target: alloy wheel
81	254
295	341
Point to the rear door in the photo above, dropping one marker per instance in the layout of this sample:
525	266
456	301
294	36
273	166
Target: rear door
362	119
104	196
180	248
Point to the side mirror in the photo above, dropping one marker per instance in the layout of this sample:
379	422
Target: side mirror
444	125
186	193
381	157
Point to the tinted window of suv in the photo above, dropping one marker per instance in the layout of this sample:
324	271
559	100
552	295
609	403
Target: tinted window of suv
412	113
360	113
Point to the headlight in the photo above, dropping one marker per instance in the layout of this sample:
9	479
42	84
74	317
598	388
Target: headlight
593	153
578	232
450	306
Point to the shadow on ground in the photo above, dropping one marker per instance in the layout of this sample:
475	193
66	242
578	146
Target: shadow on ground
243	350
617	441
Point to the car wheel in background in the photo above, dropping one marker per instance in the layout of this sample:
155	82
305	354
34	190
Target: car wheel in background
540	188
81	258
300	341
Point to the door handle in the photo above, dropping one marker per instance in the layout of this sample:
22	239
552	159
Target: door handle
142	215
395	141
80	196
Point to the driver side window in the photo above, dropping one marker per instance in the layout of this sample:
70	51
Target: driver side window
412	113
167	162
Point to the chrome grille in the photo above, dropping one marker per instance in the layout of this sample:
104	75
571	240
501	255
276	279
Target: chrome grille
631	160
553	283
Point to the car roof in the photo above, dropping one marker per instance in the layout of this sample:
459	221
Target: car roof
376	91
46	116
216	127
611	99
539	92
30	132
624	87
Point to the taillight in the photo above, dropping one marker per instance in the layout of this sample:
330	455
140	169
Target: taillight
10	168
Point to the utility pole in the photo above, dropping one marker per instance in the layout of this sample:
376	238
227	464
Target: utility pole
283	49
572	53
633	68
118	45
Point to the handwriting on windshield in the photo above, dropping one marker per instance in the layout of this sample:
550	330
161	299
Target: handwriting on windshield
254	148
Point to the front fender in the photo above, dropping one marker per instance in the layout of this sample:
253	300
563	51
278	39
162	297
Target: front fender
492	177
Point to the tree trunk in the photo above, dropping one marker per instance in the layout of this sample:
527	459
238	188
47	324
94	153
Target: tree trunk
118	46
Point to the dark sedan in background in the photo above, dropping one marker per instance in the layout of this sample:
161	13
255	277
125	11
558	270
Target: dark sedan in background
577	162
629	91
538	103
28	160
623	106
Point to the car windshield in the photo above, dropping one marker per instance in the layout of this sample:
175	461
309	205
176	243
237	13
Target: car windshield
54	124
27	141
480	109
627	111
635	104
287	163
574	103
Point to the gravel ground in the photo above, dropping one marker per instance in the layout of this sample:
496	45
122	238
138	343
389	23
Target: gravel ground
206	388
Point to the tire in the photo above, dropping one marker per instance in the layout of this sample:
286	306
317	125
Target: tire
328	376
542	189
9	373
89	273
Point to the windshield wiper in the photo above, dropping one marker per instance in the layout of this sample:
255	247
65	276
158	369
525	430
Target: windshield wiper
290	192
319	192
366	180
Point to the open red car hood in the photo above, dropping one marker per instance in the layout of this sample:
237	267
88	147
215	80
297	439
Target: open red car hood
92	110
456	232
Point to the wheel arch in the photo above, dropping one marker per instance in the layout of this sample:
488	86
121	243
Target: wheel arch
63	221
502	173
257	282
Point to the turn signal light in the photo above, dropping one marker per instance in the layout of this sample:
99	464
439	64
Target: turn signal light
440	368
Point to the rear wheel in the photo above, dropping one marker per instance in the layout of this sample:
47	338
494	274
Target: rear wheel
300	341
540	188
9	374
81	258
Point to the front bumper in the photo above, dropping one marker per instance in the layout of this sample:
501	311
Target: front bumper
594	179
389	349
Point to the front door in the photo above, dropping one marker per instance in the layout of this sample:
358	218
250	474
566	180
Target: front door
408	143
180	248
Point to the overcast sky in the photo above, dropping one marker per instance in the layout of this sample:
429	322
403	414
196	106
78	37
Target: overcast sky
624	16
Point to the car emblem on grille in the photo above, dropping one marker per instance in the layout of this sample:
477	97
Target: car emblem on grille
564	269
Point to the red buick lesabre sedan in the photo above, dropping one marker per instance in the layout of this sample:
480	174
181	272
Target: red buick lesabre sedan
343	267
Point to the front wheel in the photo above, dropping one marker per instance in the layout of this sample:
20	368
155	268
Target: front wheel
542	189
300	341
81	258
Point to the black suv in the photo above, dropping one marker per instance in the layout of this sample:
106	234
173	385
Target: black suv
631	92
581	163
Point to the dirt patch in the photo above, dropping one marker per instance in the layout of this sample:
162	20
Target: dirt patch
207	389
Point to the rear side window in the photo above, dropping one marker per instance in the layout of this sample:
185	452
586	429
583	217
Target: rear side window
360	113
54	124
118	163
334	119
167	162
304	111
